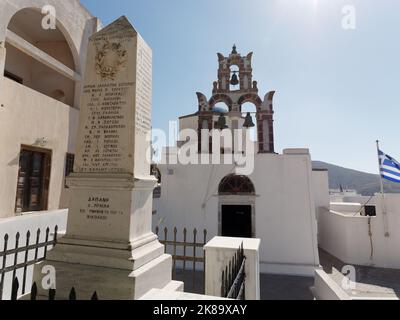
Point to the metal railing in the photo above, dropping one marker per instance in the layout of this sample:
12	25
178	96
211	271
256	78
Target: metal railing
234	277
185	251
51	295
23	251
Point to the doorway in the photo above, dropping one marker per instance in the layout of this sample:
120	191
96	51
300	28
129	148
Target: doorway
237	221
33	179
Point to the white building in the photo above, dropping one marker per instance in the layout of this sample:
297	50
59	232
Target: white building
275	203
42	52
339	194
363	230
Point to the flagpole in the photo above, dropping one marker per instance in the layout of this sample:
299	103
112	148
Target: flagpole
385	222
380	172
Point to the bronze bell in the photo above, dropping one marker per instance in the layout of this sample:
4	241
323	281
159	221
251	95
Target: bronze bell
248	122
234	49
235	79
221	125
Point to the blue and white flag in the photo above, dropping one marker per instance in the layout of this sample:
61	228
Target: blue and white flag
390	168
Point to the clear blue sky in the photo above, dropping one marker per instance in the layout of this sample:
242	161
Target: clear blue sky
337	90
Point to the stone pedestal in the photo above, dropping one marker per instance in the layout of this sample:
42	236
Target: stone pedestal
109	247
119	259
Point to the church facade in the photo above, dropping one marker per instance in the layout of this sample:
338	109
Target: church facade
276	202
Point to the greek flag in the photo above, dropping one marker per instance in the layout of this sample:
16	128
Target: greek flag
390	168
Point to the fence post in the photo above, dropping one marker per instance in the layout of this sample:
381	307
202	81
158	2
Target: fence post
34	291
28	237
4	258
194	257
174	255
14	290
16	254
184	248
72	294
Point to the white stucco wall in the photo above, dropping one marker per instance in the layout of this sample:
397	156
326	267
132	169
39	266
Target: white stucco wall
284	207
347	237
27	115
320	180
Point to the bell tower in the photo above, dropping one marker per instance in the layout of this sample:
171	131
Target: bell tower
235	87
235	74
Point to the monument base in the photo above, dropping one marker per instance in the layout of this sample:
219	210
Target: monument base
113	273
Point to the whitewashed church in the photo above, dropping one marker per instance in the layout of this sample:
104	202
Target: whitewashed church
275	203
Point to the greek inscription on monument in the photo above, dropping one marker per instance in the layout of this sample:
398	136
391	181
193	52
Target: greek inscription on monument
116	102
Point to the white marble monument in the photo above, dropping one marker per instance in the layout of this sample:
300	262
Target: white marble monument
109	246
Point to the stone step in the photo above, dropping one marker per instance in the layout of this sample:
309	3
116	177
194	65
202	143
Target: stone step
175	286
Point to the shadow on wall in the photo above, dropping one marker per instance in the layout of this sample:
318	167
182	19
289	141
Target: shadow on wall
14	162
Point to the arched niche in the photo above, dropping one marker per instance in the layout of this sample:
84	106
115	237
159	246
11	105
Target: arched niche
27	25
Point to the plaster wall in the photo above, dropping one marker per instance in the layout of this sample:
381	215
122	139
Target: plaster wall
347	236
26	116
284	207
320	189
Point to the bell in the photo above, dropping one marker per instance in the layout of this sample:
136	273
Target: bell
234	49
235	79
221	125
248	122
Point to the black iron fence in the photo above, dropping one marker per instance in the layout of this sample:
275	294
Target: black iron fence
51	294
187	255
234	277
22	257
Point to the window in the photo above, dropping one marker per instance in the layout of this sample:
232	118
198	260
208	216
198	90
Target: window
69	166
13	77
236	185
154	171
370	211
33	179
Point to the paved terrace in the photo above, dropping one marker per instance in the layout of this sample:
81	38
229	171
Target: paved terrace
273	287
371	282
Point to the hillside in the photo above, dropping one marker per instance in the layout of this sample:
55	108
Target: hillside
365	183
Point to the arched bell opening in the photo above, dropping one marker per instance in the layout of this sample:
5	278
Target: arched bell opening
220	107
234	81
249	113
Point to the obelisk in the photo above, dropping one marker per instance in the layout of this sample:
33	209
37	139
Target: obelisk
109	247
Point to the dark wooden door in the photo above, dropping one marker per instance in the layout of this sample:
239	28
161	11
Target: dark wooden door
33	180
236	221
